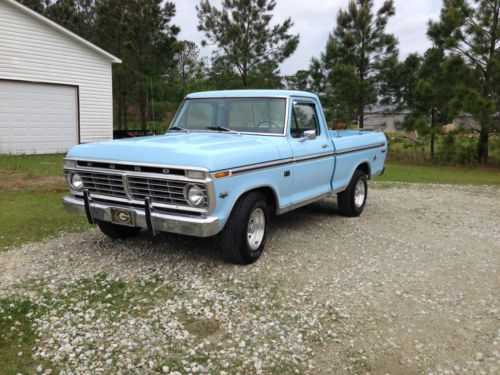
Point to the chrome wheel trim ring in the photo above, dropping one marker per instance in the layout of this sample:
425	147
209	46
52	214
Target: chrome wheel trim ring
359	193
256	228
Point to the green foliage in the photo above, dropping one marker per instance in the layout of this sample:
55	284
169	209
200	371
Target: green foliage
430	89
473	32
191	68
246	42
398	172
299	81
140	32
358	54
455	149
75	15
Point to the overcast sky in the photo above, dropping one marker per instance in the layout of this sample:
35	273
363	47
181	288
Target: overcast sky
315	19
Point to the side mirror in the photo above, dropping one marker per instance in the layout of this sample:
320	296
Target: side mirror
309	135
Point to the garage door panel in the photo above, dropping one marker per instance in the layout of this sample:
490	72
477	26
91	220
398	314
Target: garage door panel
37	118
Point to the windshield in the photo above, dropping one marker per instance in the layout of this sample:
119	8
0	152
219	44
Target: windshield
243	115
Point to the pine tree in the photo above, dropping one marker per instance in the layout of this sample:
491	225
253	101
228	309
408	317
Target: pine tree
473	32
140	32
356	54
245	39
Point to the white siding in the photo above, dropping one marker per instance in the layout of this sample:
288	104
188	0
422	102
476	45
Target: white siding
32	51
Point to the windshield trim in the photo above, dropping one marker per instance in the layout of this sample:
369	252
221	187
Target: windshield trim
285	127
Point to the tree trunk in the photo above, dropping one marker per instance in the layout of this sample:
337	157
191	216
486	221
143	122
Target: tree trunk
244	80
361	119
361	99
119	104
124	108
433	135
482	147
142	104
361	95
184	84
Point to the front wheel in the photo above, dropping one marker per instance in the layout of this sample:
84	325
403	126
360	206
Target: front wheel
116	231
244	235
352	201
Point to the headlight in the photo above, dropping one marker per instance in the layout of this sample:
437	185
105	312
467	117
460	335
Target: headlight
75	181
195	195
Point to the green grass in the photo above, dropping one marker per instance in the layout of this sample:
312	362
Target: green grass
32	214
17	335
33	165
32	209
396	172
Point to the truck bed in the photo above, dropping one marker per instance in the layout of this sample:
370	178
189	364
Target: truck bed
353	147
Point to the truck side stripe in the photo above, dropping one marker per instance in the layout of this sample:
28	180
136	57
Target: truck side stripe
276	163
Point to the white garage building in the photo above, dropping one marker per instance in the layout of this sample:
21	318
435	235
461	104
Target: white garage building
55	87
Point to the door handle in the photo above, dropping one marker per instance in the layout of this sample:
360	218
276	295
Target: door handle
324	146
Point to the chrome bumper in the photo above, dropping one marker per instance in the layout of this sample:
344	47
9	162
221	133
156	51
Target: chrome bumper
158	222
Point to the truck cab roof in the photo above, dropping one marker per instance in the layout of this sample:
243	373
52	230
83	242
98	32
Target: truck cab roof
250	93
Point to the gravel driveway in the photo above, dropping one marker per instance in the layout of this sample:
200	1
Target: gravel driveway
411	287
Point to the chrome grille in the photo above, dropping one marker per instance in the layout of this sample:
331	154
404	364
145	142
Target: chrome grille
104	184
160	190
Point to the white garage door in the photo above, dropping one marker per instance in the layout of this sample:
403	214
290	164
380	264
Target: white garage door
37	118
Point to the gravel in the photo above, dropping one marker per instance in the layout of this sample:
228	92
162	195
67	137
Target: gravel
412	286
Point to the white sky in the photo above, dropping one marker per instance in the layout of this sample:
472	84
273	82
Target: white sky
315	19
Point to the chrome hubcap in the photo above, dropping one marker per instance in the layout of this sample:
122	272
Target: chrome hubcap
256	228
359	194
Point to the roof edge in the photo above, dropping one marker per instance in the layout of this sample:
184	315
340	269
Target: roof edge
250	92
62	29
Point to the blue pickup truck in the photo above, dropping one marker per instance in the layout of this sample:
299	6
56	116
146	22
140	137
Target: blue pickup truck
229	162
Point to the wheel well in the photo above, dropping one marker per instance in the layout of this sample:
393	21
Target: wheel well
270	196
365	168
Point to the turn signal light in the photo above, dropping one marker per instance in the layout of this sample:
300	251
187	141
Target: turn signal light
222	174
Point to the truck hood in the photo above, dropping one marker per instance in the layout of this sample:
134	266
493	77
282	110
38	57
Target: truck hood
214	151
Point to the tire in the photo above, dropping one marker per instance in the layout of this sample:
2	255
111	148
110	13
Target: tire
244	235
350	202
116	231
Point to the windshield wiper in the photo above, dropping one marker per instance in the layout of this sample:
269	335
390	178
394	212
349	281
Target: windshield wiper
222	129
179	129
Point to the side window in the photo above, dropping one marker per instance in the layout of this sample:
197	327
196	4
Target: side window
303	118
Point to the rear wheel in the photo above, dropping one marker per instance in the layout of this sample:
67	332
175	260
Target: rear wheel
352	201
116	231
244	235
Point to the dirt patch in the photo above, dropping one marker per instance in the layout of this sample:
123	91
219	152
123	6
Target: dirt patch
201	328
12	180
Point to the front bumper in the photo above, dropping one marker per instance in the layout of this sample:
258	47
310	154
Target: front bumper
153	221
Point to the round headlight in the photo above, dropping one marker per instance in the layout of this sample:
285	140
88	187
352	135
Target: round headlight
195	195
75	181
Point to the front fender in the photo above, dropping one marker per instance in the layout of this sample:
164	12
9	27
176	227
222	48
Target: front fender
229	189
